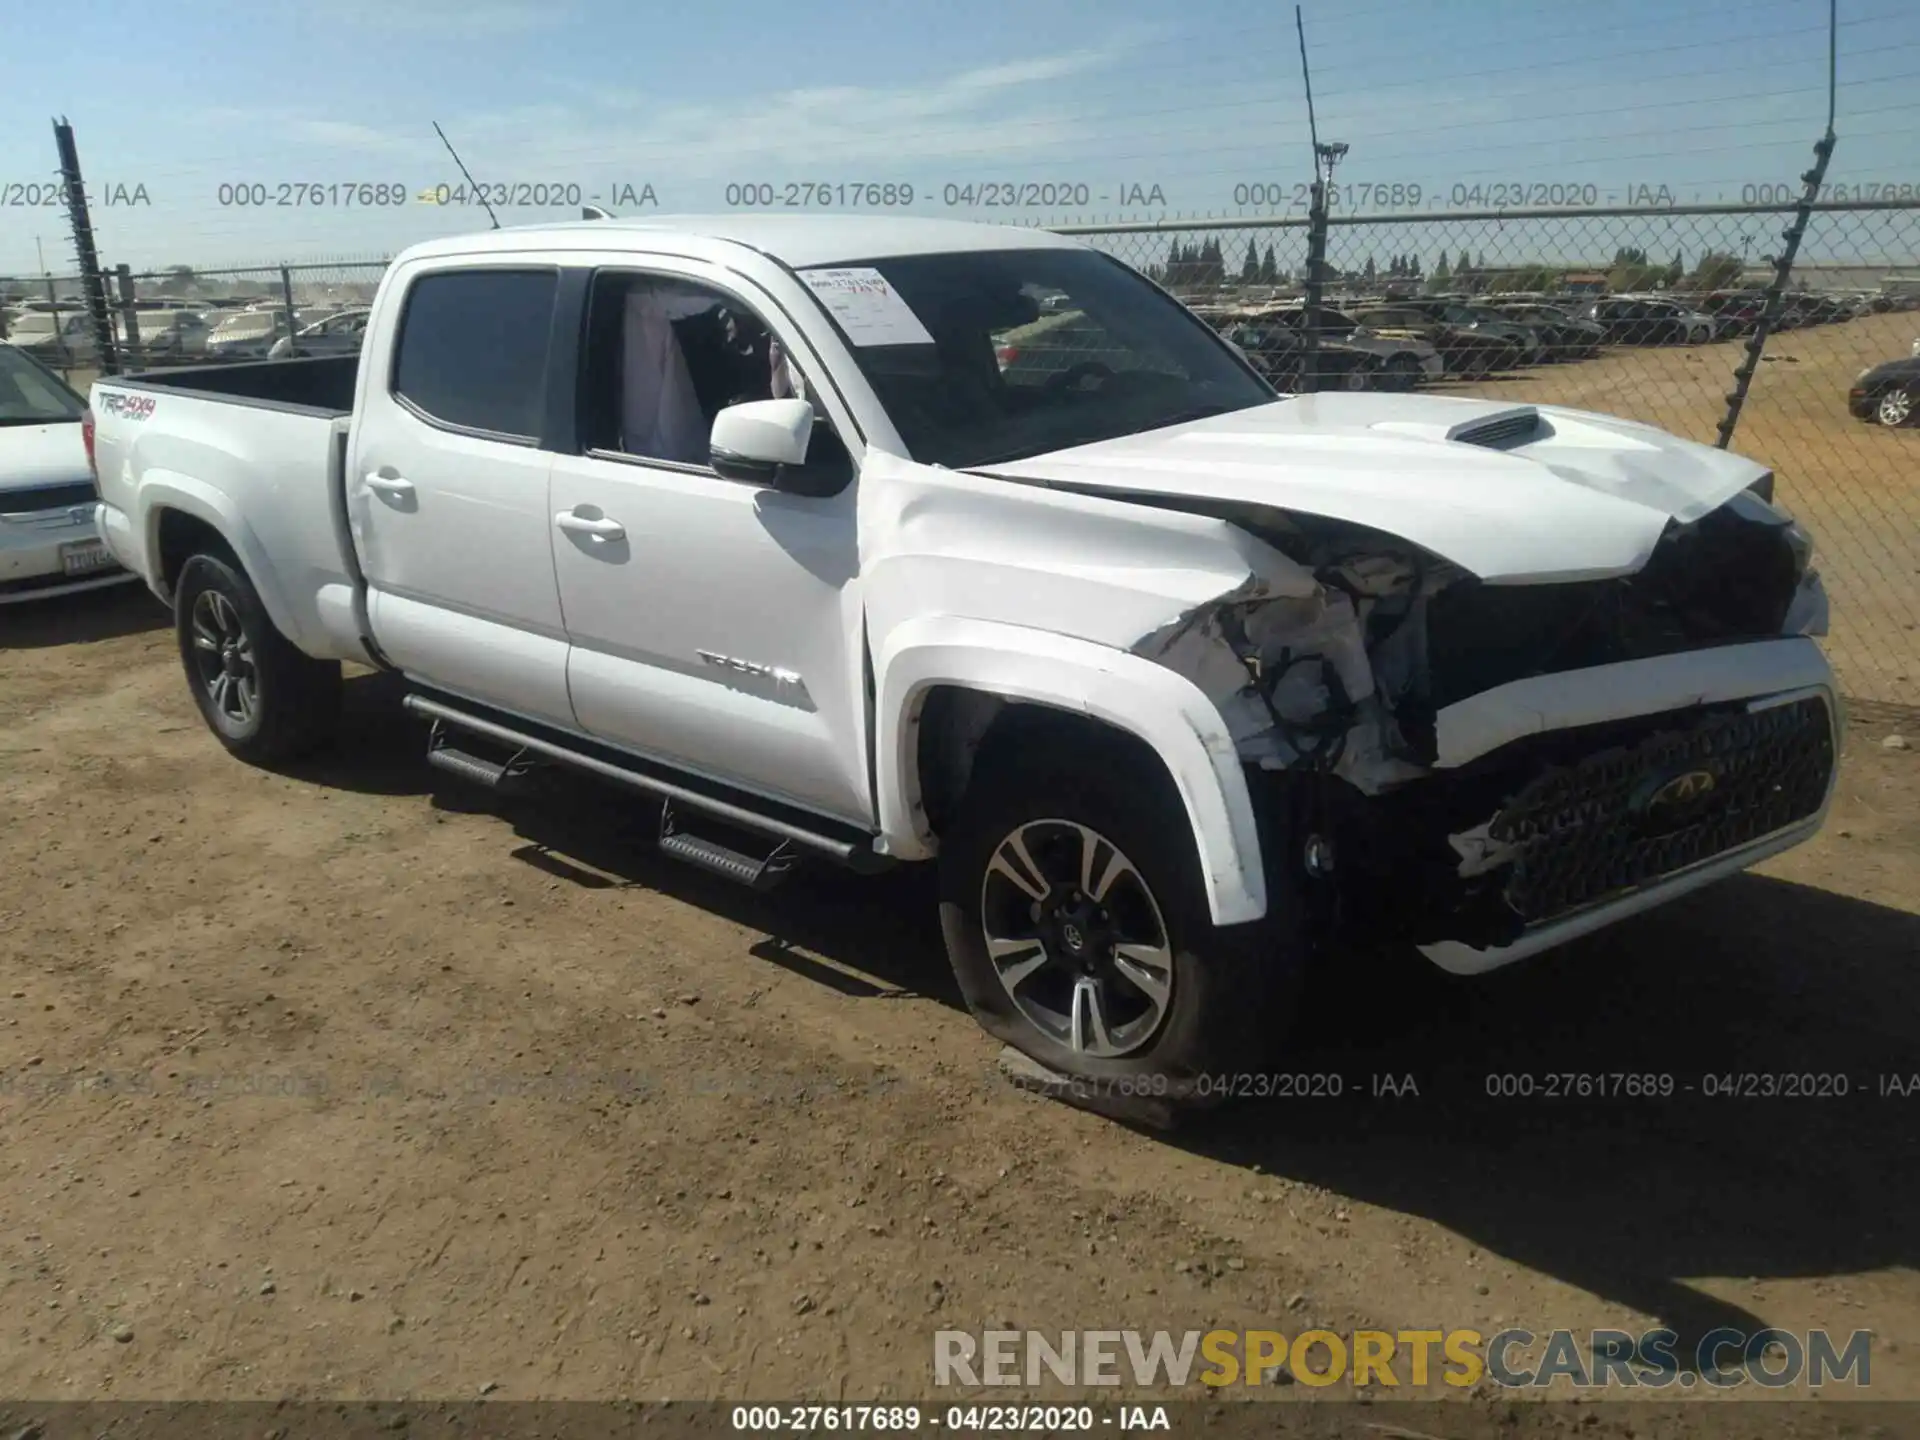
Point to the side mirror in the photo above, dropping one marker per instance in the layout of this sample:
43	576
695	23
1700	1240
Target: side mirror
755	440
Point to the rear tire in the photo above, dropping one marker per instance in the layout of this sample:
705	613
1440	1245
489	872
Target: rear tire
262	698
1125	981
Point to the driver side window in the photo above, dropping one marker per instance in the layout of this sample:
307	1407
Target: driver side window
664	356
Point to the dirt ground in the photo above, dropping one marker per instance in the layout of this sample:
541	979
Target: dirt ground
343	1083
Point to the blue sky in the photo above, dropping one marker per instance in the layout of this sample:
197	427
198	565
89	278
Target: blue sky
1705	97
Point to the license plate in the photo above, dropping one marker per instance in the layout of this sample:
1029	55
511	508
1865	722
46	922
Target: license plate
86	557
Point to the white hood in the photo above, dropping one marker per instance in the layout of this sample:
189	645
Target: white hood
1586	497
34	455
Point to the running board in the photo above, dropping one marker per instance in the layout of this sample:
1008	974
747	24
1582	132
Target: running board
475	769
537	747
718	858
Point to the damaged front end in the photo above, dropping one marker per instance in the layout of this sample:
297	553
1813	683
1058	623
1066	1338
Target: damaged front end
1333	701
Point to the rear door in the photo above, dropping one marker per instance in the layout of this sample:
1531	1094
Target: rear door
447	483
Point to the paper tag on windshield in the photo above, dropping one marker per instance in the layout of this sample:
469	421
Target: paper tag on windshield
867	307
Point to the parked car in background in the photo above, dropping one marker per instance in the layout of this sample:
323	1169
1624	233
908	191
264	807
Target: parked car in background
1466	349
49	542
1636	320
164	335
1566	336
251	334
1529	335
1405	360
338	334
1737	312
1888	394
1278	352
62	339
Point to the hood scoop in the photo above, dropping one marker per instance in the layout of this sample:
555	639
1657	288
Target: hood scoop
1495	432
1490	429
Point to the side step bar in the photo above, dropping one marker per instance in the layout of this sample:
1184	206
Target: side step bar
475	769
842	851
719	858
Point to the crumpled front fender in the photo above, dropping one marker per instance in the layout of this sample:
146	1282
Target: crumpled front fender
1164	709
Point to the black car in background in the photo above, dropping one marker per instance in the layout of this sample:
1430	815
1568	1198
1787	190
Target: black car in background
1887	394
1468	351
1277	353
1523	343
1630	320
1567	336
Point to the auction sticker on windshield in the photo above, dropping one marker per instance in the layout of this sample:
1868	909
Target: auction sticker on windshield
867	307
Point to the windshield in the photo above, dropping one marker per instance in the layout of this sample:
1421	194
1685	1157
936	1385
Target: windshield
976	362
31	396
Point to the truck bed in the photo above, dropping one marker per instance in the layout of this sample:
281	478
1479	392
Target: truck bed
322	386
256	452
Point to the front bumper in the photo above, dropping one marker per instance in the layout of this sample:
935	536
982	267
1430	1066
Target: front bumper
41	553
1584	857
1550	813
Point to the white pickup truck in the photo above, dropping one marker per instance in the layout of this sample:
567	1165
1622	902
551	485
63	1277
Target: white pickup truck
884	540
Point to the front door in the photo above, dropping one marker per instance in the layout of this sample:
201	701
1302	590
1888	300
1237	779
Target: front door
715	625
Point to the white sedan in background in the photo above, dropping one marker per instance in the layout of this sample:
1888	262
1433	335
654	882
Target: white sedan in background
49	544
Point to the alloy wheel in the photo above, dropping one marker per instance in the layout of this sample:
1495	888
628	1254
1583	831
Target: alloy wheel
223	657
1077	939
1895	407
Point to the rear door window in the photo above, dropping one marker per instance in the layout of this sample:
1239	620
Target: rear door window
473	349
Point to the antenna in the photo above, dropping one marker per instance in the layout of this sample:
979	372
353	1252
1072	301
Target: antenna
1327	155
465	174
1833	45
1313	130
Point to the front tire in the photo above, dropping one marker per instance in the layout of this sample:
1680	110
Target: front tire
263	699
1080	934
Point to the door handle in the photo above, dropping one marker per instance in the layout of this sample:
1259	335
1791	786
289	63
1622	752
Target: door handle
389	484
601	529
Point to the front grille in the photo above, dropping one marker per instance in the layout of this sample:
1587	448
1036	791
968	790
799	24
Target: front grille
46	497
1627	817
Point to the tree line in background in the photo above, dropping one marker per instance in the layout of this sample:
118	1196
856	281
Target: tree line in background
1202	265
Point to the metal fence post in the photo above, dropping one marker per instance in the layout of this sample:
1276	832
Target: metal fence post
1776	292
286	300
129	316
1310	316
92	283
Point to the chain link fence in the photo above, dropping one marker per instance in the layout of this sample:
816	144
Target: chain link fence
1638	313
188	316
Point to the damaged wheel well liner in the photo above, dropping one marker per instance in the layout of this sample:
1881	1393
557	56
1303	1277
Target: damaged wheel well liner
964	732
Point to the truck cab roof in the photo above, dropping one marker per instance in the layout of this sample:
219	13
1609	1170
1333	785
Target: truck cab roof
798	241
